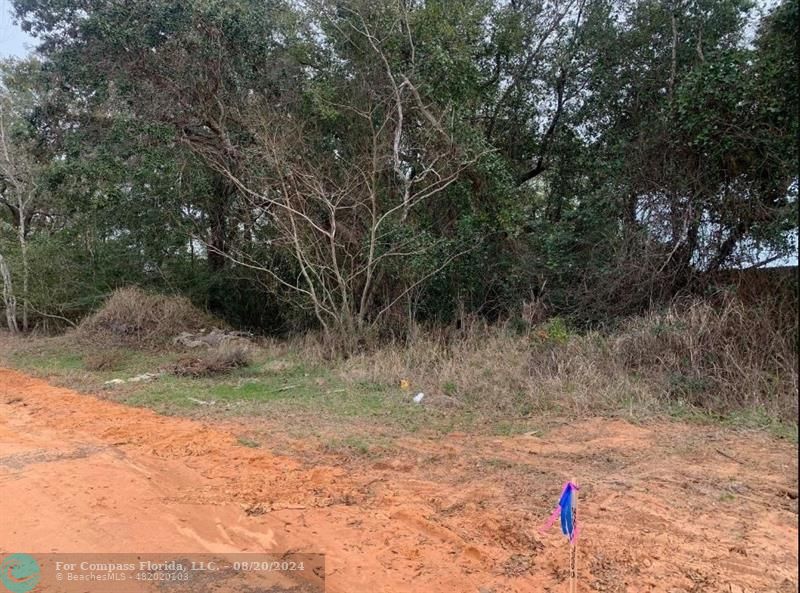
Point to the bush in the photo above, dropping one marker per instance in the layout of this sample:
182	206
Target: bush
134	317
728	356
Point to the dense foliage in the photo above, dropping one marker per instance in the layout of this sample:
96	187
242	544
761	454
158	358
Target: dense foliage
354	165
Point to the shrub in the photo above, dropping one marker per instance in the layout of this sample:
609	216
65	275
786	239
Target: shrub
722	357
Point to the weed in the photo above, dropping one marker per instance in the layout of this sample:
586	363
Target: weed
349	445
692	361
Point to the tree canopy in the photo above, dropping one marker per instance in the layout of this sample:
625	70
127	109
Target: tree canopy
353	165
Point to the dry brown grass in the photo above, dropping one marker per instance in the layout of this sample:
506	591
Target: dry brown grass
134	317
724	357
497	372
720	358
215	361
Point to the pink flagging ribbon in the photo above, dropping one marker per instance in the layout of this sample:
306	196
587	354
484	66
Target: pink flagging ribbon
552	519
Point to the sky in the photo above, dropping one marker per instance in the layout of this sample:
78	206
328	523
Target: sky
13	41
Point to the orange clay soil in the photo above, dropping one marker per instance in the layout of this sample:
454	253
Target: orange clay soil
664	506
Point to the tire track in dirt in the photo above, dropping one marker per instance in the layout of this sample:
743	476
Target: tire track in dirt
662	511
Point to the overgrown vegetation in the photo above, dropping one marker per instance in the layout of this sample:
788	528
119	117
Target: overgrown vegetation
515	206
689	355
360	167
691	360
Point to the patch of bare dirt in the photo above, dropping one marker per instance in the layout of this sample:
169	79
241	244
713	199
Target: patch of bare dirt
664	507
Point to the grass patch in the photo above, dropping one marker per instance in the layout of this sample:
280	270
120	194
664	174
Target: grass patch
755	420
351	445
297	388
737	420
691	362
62	362
48	362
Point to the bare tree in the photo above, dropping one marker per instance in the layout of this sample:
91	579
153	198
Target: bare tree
9	301
344	213
18	186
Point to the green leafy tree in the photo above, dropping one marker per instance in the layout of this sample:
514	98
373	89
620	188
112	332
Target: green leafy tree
354	161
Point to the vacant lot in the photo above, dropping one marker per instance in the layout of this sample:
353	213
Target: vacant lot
376	278
666	506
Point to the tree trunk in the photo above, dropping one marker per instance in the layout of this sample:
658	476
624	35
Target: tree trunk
218	222
9	301
217	251
23	248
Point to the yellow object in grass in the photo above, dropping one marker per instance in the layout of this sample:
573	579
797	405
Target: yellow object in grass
404	384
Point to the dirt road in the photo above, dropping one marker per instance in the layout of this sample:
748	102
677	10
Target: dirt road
664	507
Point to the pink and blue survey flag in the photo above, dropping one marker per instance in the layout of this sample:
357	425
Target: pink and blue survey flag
565	511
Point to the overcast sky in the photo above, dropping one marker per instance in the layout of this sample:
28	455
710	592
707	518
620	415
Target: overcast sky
13	41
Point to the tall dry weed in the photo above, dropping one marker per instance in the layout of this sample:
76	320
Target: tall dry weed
722	358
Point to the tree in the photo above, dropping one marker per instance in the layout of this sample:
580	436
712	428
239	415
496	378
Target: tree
349	159
685	164
188	65
20	176
335	182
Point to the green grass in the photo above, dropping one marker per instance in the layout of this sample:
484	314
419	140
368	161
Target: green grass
267	387
57	358
307	394
762	421
47	361
252	391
